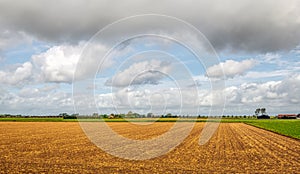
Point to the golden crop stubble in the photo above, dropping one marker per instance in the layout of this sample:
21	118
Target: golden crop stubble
63	148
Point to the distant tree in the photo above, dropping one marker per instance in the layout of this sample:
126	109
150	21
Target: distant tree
169	115
257	111
116	116
73	116
104	116
7	115
67	116
149	115
129	114
63	115
135	115
95	115
263	110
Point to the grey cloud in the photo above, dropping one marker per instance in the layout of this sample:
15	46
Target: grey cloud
147	77
253	26
10	39
140	73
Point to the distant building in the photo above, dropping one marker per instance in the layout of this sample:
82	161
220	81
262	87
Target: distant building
263	117
287	116
111	116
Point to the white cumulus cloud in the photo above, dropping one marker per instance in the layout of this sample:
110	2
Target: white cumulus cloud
230	68
19	75
58	63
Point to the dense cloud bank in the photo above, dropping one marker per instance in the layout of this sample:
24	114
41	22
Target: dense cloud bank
255	26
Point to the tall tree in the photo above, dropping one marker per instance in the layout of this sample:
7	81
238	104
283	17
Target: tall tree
257	111
263	110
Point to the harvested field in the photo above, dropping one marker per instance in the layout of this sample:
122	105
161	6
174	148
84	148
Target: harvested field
31	147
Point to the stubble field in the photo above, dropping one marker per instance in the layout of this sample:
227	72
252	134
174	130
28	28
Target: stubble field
62	147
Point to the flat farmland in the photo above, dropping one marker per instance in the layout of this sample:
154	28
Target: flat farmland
62	147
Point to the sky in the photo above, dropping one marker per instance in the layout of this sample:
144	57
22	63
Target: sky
181	57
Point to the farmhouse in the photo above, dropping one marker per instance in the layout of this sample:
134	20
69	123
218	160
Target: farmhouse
111	116
287	116
263	116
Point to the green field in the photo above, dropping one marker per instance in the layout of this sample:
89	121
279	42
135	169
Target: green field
289	128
